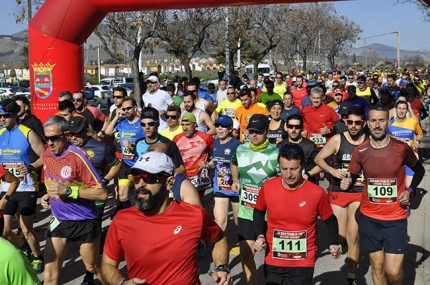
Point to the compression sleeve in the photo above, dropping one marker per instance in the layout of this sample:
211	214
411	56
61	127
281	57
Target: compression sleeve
419	172
259	223
332	229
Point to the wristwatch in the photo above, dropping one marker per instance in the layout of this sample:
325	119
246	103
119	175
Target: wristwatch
68	190
6	197
222	267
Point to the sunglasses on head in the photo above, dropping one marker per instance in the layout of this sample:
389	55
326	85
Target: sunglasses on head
173	117
6	116
357	123
77	99
150	124
255	132
53	138
127	109
147	178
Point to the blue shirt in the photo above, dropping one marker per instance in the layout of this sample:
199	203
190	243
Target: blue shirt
221	157
360	102
286	113
129	132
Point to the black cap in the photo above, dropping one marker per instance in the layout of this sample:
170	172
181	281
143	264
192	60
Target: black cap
78	124
150	113
344	107
258	122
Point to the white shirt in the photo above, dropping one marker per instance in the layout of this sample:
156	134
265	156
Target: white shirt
160	101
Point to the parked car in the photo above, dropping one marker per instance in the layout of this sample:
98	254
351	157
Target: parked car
101	91
15	90
129	87
212	80
115	81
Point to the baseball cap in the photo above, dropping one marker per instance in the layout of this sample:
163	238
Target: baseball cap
403	82
343	108
152	78
188	117
150	113
258	122
153	162
78	124
337	91
225	121
5	112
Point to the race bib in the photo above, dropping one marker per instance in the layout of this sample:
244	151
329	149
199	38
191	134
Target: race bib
249	196
202	180
360	179
12	168
382	191
318	139
224	177
128	152
230	112
289	245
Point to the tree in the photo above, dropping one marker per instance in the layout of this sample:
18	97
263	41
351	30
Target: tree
136	29
24	53
184	31
25	9
422	6
338	32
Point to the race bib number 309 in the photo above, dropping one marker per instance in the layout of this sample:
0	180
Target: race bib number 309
249	196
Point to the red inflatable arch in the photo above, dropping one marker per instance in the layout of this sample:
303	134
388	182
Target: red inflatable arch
58	30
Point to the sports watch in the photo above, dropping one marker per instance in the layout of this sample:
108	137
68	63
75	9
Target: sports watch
221	267
6	197
68	190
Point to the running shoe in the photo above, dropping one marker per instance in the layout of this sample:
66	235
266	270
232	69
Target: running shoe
88	282
37	265
27	253
351	281
19	233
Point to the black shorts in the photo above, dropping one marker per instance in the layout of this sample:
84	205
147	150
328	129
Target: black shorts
377	234
25	202
276	275
124	168
77	231
245	230
233	199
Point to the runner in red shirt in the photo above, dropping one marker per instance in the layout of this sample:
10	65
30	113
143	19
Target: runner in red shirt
383	219
299	92
290	239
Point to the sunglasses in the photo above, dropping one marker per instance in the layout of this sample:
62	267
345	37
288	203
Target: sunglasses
77	99
357	123
6	116
297	127
290	147
118	97
173	117
76	135
219	125
147	178
127	109
360	82
255	132
231	93
150	124
53	138
335	86
278	77
150	82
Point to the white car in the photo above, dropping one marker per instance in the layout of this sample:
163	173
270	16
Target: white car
101	91
15	90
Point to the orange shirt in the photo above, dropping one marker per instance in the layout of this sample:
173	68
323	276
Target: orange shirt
243	116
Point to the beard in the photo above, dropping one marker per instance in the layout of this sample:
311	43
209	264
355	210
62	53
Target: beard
147	205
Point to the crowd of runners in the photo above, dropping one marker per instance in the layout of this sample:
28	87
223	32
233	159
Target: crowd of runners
261	145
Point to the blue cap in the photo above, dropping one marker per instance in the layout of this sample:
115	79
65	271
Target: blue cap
225	121
403	82
4	112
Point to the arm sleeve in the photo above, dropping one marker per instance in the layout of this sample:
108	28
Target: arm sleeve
175	155
332	229
259	212
423	112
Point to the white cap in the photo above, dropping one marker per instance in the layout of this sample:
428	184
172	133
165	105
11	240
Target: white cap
153	162
152	78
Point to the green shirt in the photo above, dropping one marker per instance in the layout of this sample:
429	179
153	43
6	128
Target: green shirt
254	169
14	266
177	100
266	98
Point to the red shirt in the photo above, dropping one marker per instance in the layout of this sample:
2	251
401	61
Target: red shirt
383	168
315	118
298	96
162	248
298	219
416	106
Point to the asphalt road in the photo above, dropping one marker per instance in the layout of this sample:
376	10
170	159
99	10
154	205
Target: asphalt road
327	270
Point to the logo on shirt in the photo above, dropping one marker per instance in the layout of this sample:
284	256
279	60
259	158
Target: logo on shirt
66	171
177	230
90	153
361	150
302	204
227	151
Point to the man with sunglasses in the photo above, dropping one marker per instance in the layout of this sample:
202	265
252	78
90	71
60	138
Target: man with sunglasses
345	203
195	147
280	87
73	187
100	153
149	120
158	99
294	125
228	107
291	234
17	144
251	165
167	232
126	122
365	91
95	117
173	115
383	217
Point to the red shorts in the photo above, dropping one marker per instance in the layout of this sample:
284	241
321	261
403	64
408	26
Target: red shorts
343	199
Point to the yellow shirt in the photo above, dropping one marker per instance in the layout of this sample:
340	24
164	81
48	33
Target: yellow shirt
229	108
170	135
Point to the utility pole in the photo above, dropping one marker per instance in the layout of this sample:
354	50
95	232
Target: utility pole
98	62
227	43
398	48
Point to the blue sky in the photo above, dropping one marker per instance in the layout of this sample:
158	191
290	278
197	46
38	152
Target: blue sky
375	17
